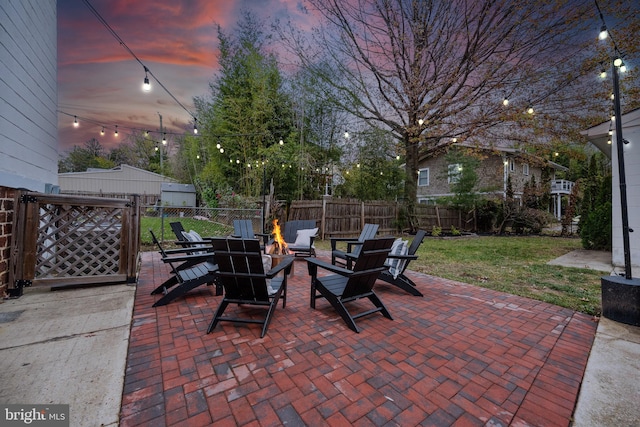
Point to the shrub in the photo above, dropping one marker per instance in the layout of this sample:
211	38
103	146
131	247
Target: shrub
436	231
454	231
595	229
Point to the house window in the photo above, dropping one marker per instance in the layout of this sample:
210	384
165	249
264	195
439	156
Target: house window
512	165
525	168
423	177
429	201
454	171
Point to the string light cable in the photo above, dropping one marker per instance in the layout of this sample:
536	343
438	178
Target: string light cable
146	69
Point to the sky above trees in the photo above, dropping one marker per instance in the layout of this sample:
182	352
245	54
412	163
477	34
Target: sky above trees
100	82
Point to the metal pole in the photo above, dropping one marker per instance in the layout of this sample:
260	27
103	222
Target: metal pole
264	191
161	144
621	173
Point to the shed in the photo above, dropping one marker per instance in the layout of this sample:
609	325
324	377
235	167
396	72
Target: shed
117	182
174	194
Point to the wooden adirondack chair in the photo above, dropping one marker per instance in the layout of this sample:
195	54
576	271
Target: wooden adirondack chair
243	229
344	285
242	274
345	257
200	270
290	236
398	264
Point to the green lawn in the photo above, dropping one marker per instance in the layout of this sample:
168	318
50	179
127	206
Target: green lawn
204	228
516	265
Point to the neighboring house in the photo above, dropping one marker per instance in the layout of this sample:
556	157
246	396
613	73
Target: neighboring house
436	175
600	137
117	182
28	109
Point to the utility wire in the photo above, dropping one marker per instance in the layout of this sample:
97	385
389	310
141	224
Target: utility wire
124	45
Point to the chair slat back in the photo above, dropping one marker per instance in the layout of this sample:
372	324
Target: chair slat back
243	228
368	266
177	229
290	229
415	243
241	269
161	249
368	232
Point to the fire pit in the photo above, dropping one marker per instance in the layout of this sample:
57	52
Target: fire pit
278	250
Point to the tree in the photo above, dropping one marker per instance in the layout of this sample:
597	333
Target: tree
371	172
79	159
245	117
138	151
464	178
435	71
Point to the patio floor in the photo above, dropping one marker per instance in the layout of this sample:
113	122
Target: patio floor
460	356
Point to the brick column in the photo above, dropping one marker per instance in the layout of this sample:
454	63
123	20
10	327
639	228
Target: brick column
6	225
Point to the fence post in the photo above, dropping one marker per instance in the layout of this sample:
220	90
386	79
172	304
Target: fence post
323	217
361	215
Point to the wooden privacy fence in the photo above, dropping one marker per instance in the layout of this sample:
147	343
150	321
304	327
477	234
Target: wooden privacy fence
61	240
346	217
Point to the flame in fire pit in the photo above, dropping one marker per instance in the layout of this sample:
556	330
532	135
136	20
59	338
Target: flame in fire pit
279	245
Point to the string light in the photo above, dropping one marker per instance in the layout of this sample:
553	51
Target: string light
146	86
505	101
164	138
102	131
603	32
195	126
116	132
75	122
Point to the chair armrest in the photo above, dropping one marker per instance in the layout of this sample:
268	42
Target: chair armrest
351	244
314	263
335	240
189	250
190	257
283	264
407	257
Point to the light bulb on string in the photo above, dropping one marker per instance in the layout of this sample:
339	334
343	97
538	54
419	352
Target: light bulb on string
603	74
505	101
603	33
146	86
195	126
164	138
102	131
116	132
75	122
281	142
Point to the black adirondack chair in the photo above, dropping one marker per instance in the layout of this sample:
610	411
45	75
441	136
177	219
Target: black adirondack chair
242	274
243	229
290	235
346	257
344	285
397	277
200	270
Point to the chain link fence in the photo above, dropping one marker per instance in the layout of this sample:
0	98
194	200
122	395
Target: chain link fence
205	221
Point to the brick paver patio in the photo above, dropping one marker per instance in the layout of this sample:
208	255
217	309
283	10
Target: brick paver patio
460	356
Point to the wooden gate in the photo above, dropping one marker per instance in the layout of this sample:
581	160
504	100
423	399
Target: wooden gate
61	240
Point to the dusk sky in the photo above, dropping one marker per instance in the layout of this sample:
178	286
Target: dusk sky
100	82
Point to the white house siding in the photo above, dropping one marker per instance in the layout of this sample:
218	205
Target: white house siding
122	180
28	94
630	132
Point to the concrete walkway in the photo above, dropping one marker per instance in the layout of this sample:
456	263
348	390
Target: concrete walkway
67	347
71	347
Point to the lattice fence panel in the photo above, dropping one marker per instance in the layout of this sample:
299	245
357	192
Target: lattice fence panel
78	241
